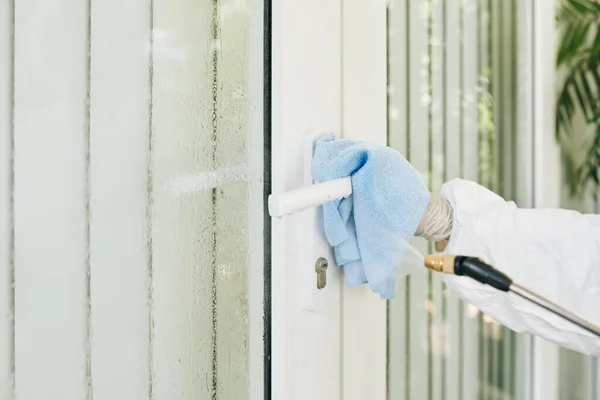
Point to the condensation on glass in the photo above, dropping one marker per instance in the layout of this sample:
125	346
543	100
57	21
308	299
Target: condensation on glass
459	106
131	209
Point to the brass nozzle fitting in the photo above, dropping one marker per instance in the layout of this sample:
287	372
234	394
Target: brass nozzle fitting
440	263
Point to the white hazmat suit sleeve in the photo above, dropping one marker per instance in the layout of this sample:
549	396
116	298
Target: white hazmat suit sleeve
555	253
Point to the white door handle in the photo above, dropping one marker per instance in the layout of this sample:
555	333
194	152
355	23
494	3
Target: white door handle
310	222
300	199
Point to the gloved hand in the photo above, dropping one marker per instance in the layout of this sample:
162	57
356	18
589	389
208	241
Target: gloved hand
436	224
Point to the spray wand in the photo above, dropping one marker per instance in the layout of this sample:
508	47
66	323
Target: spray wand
488	275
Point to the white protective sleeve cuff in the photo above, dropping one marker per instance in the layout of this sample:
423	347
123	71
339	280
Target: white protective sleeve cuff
436	223
555	253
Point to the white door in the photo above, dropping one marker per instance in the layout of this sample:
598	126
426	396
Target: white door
329	74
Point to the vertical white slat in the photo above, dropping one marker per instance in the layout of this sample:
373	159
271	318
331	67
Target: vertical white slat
119	142
364	118
397	54
521	376
470	169
486	172
500	85
574	378
524	78
487	134
51	236
6	205
495	356
398	58
306	61
469	91
438	325
547	162
507	79
511	357
418	117
453	113
231	145
183	218
519	351
258	240
484	359
596	378
502	155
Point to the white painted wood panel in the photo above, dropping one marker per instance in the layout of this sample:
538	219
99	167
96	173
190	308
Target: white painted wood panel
364	117
51	234
437	148
306	94
138	199
546	361
418	86
258	240
470	171
119	141
6	209
398	357
183	232
232	212
453	112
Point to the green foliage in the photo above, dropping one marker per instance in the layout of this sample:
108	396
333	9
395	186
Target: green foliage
579	55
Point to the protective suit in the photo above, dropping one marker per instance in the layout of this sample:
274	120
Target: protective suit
553	252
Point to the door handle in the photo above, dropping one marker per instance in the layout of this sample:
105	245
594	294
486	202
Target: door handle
300	199
318	272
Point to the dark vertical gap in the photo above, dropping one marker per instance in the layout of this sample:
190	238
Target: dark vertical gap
387	74
512	101
481	359
461	86
408	86
533	161
408	154
479	96
387	140
492	137
461	349
508	337
531	366
341	293
594	361
512	363
430	184
504	76
444	116
498	99
501	360
480	174
87	200
12	206
150	206
266	192
388	354
461	310
215	131
533	100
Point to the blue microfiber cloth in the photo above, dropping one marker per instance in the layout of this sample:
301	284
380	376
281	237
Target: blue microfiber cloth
368	230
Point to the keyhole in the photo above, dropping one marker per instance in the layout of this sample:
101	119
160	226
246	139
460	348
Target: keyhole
321	270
